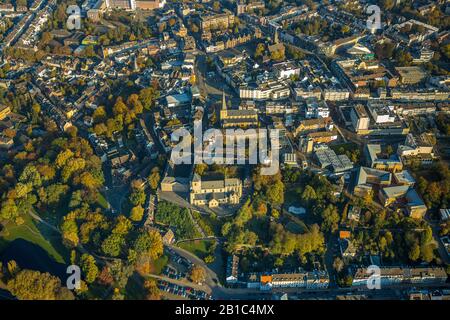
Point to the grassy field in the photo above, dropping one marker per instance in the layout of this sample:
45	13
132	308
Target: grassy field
201	248
293	224
38	234
294	228
101	200
159	264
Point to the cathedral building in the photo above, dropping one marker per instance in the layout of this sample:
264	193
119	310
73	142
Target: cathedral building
237	118
213	193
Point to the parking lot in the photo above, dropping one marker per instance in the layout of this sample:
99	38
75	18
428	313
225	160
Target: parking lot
172	273
183	291
180	262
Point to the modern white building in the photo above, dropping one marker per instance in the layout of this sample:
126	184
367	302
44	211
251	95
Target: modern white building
274	90
286	69
381	113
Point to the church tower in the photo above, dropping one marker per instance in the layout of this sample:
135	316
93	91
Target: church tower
275	37
196	184
223	111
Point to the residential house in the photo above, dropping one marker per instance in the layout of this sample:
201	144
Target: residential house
400	275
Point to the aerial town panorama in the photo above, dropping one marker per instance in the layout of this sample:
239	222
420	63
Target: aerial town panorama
224	150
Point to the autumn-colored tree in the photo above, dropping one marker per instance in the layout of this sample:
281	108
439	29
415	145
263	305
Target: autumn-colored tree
36	110
69	229
153	179
309	195
137	197
134	102
113	244
201	168
13	268
172	21
197	274
149	245
275	213
153	292
100	129
123	225
88	181
414	252
137	213
9	210
33	285
117	295
426	252
99	115
330	218
216	6
260	48
275	193
119	107
262	208
338	264
46	171
63	157
89	268
10	133
147	96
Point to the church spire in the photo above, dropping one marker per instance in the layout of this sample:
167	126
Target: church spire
223	111
224	101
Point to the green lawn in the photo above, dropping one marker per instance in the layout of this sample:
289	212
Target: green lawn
159	264
40	235
294	228
294	224
101	200
198	247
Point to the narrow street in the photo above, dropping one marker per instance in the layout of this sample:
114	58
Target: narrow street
184	283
